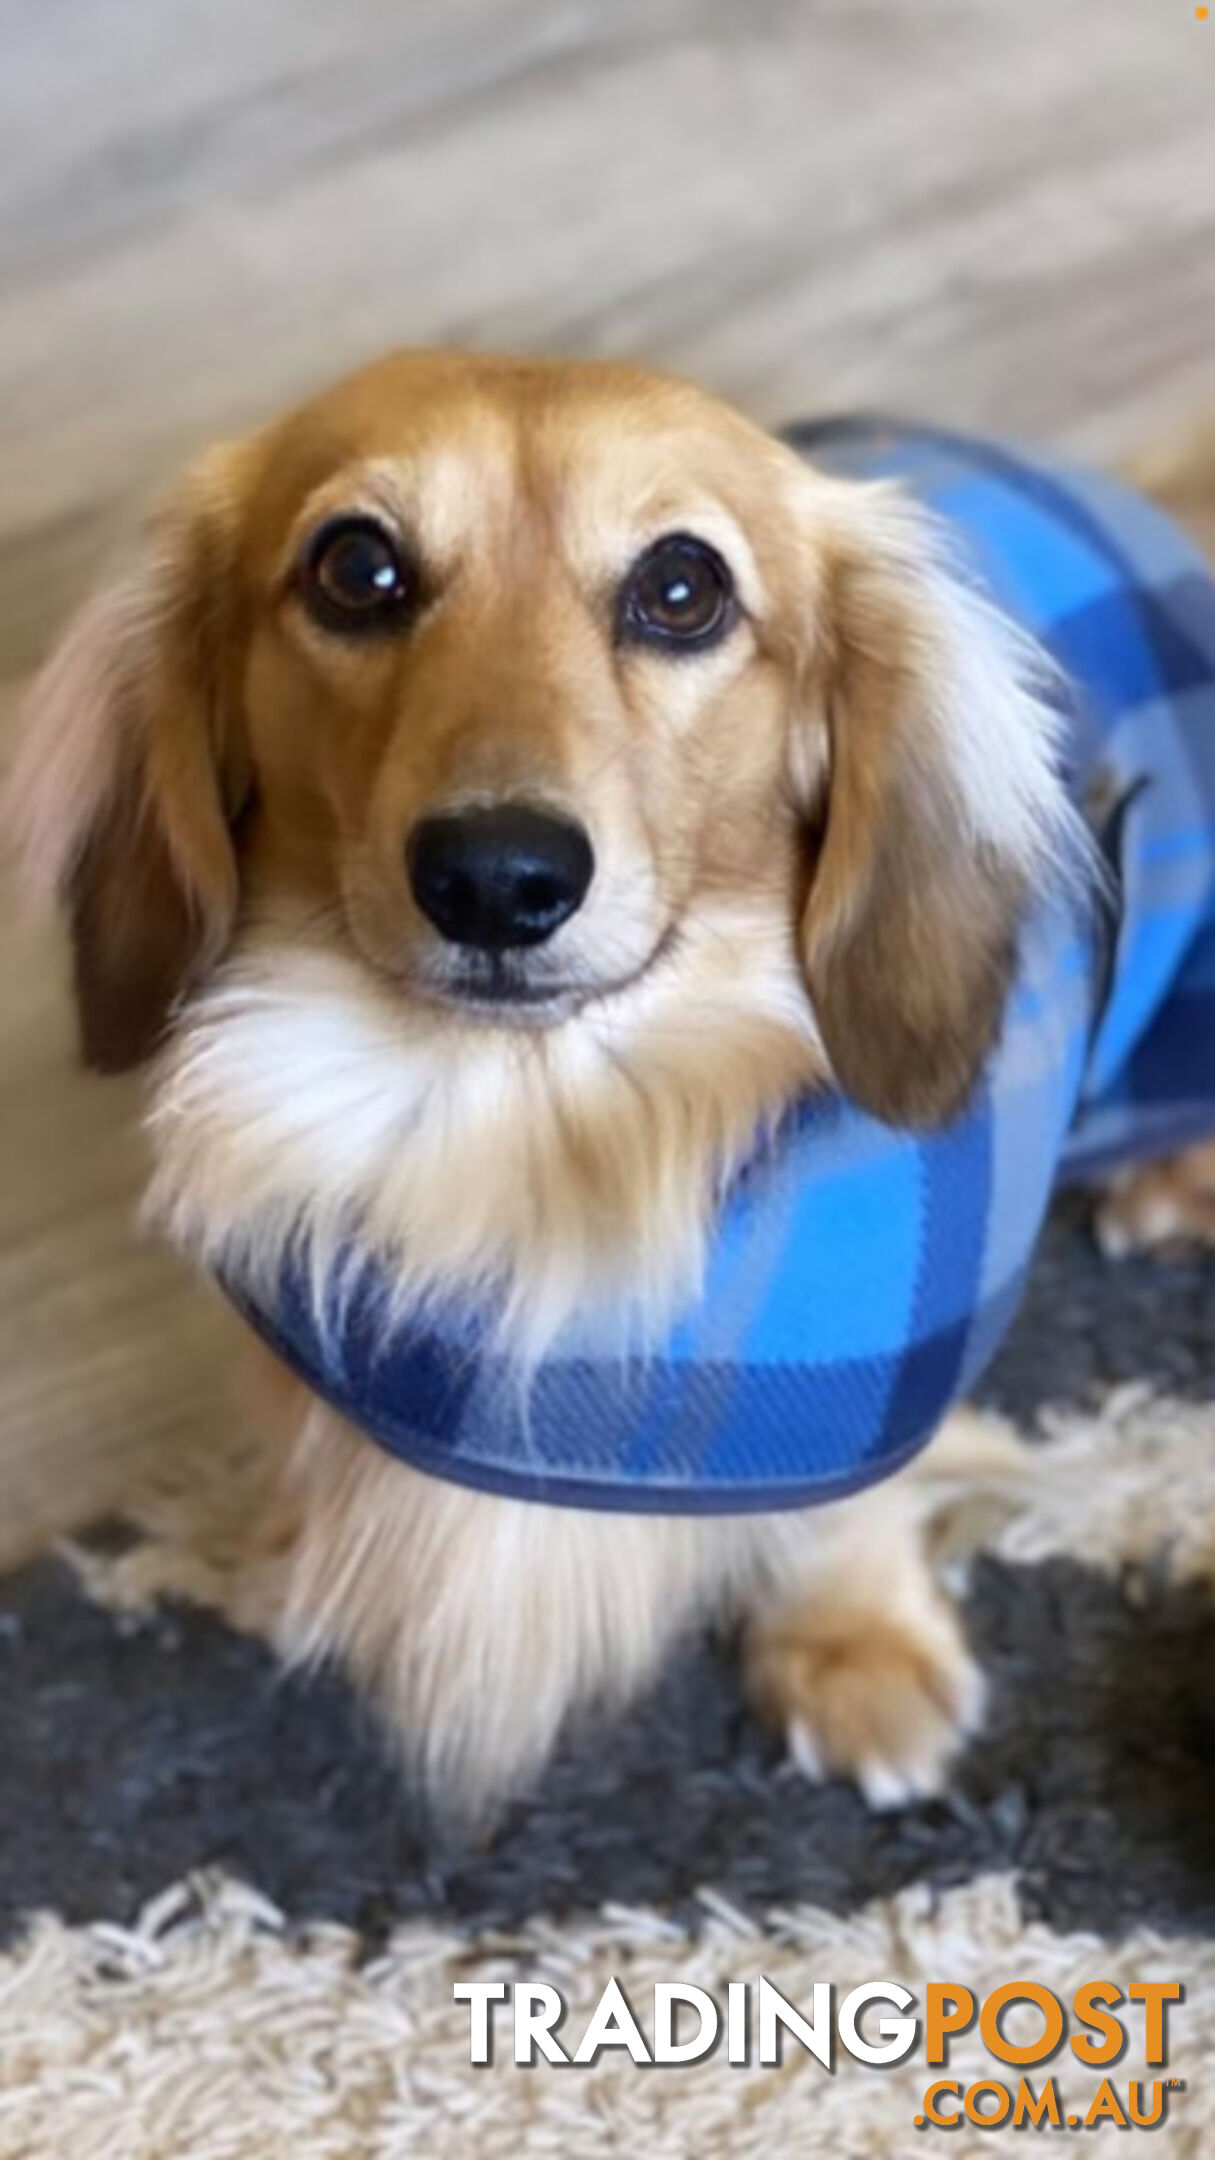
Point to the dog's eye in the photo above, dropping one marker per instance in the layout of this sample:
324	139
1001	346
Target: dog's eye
678	593
353	576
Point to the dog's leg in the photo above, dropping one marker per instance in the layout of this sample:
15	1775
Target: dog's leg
1164	1203
867	1674
864	1666
478	1623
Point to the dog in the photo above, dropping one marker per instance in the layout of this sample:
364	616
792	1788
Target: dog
502	792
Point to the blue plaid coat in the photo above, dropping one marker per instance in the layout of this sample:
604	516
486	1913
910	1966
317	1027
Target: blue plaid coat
861	1278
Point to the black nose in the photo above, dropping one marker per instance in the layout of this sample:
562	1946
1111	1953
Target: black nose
500	876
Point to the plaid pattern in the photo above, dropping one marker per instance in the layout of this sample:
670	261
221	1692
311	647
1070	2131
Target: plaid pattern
861	1279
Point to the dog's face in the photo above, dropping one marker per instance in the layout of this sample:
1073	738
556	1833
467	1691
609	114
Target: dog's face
520	648
521	676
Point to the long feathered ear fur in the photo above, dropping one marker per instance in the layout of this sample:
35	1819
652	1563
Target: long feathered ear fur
130	771
940	810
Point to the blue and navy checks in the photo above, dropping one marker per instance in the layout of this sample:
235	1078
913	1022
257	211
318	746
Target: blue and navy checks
861	1278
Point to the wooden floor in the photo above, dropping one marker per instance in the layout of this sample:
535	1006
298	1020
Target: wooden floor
1001	212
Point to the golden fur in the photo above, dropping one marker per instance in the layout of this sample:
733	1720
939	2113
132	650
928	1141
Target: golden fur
813	845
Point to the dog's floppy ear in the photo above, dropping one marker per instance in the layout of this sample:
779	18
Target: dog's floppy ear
939	809
130	772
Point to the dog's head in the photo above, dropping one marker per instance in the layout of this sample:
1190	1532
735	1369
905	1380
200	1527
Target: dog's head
515	673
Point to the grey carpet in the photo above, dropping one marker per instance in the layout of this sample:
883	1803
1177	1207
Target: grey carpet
131	1754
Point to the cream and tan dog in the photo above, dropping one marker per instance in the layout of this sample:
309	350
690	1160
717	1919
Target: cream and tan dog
498	790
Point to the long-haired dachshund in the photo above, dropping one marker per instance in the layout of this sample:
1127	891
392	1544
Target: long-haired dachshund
498	793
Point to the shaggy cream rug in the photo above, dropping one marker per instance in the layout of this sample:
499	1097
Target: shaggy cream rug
212	2030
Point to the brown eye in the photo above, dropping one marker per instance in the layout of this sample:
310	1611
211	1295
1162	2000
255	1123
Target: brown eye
679	593
353	576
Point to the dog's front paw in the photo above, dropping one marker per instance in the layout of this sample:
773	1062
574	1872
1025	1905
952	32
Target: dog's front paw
867	1696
